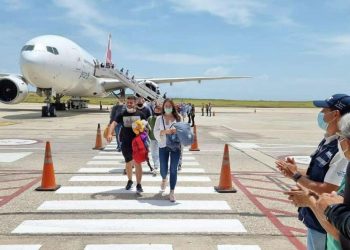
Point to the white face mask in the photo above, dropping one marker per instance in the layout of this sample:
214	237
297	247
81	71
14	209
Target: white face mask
131	110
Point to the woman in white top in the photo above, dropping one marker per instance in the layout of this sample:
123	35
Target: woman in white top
162	128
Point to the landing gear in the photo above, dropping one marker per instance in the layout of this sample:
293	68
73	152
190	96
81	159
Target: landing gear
58	104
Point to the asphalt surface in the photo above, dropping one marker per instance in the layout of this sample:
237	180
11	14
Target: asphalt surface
258	216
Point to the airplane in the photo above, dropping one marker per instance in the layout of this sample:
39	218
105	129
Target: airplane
57	66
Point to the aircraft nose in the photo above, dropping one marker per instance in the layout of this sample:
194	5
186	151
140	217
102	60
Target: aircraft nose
31	64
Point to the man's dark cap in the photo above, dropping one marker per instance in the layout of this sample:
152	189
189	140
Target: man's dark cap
339	102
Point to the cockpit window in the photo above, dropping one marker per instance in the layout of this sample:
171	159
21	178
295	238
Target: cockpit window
28	47
52	50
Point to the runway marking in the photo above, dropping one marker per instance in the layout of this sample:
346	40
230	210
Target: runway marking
244	145
119	226
15	142
238	247
121	162
120	153
11	157
20	247
120	157
121	190
144	178
134	205
129	247
145	169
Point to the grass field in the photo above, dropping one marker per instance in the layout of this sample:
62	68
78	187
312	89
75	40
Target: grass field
34	98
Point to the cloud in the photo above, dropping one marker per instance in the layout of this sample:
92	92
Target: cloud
218	71
331	46
242	13
14	5
145	7
182	58
92	19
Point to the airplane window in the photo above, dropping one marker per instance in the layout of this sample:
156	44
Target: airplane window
28	47
55	50
49	49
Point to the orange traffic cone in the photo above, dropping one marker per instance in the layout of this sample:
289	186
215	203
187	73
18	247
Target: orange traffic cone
194	146
48	182
225	185
98	144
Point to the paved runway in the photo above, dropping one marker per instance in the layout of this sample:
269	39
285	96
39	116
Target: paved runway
92	210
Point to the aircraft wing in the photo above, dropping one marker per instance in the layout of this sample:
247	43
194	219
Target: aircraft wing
190	79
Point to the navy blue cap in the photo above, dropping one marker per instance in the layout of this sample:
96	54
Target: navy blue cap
339	102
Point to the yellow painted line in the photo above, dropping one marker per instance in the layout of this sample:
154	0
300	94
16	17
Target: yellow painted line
6	123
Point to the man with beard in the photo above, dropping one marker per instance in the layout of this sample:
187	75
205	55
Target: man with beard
126	118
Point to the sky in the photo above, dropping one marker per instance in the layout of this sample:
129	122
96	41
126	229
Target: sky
294	50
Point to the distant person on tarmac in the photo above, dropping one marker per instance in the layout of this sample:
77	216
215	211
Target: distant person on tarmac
192	114
202	109
126	118
326	169
207	108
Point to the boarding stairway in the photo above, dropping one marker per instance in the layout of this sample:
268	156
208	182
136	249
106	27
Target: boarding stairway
130	83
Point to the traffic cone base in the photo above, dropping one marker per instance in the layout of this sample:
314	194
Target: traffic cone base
195	149
220	190
48	182
48	189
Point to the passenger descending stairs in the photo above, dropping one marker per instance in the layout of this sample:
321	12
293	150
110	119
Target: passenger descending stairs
138	88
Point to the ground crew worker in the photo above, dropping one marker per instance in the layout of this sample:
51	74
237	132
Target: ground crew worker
326	169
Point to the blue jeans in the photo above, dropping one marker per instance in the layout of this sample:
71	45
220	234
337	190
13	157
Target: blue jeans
316	240
164	154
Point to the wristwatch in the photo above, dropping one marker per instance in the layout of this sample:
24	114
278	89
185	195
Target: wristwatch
328	208
297	176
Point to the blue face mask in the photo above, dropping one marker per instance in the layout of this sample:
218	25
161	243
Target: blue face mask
321	123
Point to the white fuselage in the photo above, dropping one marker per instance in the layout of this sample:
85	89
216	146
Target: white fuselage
57	63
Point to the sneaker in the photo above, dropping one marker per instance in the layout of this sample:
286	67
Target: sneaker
163	185
179	167
129	185
139	188
172	196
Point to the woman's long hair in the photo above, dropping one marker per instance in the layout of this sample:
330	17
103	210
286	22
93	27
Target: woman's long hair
174	112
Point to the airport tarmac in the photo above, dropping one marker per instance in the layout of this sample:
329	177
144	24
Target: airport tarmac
92	211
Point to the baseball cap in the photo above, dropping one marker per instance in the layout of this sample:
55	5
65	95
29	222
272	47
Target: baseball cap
339	102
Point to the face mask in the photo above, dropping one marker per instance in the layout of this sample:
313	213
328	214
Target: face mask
321	123
130	110
140	105
168	110
157	114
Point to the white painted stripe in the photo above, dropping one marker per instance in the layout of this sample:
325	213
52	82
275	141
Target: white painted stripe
238	247
11	157
193	163
120	153
159	226
144	178
134	205
129	247
245	145
120	157
121	190
110	153
145	169
104	162
20	247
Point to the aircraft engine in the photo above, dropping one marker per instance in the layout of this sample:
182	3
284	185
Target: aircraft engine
12	89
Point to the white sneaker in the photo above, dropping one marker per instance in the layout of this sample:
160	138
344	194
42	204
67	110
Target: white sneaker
163	185
172	196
